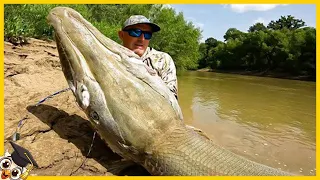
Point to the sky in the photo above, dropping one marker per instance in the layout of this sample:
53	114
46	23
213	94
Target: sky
215	19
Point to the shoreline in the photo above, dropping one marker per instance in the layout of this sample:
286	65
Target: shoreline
261	74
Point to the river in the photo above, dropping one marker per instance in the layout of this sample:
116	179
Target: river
268	120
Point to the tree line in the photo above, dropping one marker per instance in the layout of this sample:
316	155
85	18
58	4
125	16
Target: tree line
285	45
28	20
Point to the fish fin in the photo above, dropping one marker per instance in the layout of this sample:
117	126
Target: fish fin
198	131
131	149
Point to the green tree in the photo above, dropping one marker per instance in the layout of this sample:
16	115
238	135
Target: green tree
286	48
207	51
203	56
256	50
257	27
303	52
288	22
178	38
233	33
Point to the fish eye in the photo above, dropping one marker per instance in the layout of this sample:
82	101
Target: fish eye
5	163
94	115
15	173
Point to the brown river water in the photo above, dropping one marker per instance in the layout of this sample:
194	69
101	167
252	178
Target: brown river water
268	120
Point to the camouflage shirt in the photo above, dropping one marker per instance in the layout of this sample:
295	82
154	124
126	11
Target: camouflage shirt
164	66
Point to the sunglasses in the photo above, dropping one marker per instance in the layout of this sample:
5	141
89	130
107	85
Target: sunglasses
138	32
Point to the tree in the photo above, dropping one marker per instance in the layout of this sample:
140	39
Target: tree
233	33
203	55
207	52
177	37
288	22
257	27
211	42
287	48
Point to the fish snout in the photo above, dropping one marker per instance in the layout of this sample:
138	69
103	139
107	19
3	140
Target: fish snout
63	12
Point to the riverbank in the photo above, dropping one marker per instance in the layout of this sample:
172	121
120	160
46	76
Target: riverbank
56	132
262	74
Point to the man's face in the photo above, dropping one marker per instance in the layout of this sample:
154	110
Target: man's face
137	44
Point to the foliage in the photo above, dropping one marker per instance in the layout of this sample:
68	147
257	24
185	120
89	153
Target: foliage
257	27
288	22
282	47
177	37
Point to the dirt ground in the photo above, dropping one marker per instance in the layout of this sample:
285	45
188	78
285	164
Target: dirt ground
56	132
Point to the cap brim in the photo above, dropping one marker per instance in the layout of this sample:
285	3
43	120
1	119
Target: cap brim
154	27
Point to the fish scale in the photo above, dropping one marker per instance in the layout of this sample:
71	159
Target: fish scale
218	161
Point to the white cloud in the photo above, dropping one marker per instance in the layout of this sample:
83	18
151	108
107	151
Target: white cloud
241	8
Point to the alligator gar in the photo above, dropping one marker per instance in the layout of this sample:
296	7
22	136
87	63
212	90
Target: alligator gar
134	112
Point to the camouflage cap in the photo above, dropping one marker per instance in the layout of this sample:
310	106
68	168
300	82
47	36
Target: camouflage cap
139	19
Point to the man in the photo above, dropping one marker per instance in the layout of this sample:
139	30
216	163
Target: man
136	34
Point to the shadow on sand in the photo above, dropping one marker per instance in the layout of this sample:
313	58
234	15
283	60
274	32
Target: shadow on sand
78	131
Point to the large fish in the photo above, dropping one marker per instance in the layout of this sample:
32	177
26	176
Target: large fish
134	112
